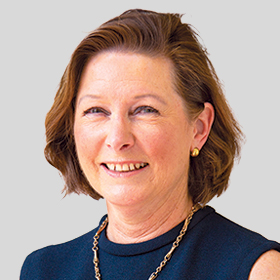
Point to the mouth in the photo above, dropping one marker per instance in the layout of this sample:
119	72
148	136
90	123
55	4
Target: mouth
124	167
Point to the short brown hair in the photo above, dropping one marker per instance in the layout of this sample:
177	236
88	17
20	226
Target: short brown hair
153	34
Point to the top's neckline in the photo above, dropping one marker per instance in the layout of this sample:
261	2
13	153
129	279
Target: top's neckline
153	244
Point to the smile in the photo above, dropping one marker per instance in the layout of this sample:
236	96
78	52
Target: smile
125	167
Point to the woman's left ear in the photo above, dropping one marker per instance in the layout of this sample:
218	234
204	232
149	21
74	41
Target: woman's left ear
202	126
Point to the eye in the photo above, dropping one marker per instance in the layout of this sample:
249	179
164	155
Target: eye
146	110
96	110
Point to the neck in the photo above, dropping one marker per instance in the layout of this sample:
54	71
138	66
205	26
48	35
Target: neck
139	223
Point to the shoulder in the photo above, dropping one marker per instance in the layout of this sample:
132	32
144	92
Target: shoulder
247	249
238	238
234	233
50	261
266	267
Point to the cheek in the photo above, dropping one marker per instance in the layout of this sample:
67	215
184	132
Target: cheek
168	143
86	143
80	139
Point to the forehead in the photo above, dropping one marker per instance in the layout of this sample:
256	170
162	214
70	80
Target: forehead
118	68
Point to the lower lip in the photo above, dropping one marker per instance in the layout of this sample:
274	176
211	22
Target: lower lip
126	174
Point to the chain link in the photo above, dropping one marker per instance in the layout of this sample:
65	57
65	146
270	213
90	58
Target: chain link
166	258
95	249
175	244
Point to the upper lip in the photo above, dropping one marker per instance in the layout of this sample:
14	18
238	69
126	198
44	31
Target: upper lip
124	166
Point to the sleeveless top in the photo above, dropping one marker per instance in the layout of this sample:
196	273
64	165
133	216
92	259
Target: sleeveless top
212	248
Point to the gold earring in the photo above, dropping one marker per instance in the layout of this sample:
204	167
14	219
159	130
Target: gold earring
195	152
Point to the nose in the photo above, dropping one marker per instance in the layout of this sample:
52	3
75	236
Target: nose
119	135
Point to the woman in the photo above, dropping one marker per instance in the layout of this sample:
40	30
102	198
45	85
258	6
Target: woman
141	121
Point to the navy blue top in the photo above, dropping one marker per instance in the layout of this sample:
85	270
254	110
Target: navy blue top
213	248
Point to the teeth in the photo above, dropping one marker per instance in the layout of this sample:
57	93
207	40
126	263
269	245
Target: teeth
125	167
118	167
131	166
111	166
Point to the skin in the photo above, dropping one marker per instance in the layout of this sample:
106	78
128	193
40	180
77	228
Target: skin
128	112
133	115
267	267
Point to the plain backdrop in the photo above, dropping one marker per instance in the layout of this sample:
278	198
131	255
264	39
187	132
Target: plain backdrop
37	40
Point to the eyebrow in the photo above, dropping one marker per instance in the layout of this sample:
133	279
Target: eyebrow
140	96
91	96
151	95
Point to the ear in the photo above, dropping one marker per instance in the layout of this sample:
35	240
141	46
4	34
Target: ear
202	126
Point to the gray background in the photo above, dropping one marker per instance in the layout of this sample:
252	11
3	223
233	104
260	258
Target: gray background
37	39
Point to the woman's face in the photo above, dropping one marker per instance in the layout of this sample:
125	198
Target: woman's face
132	134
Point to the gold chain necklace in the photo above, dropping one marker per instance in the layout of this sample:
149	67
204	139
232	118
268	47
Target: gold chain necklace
166	258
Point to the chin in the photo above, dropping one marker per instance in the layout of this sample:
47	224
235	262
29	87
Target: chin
125	196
